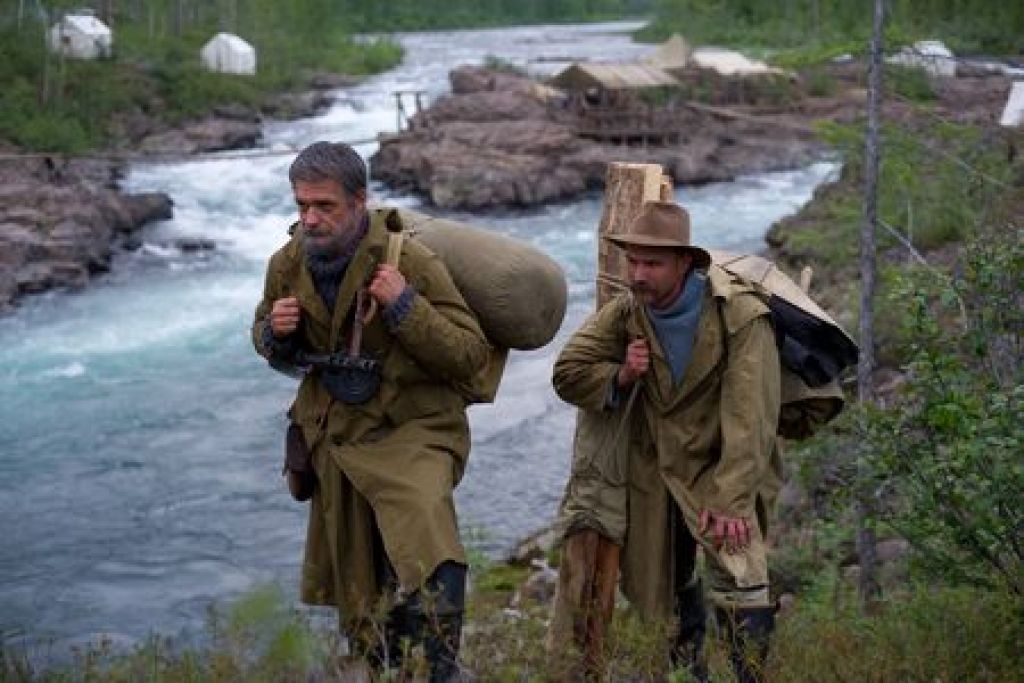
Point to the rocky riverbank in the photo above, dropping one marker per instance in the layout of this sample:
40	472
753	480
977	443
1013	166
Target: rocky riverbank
62	219
501	139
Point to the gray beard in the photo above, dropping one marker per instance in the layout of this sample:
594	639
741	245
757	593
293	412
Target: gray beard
325	266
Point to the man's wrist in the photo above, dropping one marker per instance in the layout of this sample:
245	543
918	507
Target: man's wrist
273	344
397	311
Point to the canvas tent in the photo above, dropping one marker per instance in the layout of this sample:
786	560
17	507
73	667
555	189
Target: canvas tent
930	55
1013	114
227	53
80	36
612	77
674	53
732	63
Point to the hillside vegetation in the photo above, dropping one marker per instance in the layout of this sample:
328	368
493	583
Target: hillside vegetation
53	104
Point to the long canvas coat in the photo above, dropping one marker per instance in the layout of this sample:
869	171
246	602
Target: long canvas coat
707	442
395	459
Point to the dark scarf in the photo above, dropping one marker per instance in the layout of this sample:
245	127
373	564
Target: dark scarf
676	326
329	271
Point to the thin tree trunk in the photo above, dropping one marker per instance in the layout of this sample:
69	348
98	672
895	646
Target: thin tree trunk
868	583
179	17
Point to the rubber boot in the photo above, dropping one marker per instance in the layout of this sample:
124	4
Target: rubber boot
434	620
688	647
747	632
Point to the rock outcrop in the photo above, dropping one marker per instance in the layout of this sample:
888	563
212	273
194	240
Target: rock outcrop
60	226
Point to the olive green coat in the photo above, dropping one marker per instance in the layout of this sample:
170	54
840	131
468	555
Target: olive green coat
395	459
708	442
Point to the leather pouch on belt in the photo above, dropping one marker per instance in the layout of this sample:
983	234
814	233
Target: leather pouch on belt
298	464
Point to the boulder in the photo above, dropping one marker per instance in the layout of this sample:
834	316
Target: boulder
324	80
207	135
144	207
291	106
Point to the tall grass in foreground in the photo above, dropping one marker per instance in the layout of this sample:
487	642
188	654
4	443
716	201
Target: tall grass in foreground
929	634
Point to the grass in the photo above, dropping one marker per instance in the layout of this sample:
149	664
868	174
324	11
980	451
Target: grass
927	633
932	633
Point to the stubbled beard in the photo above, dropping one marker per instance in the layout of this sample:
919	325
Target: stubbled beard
330	257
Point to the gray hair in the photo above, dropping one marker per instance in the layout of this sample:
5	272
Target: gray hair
330	161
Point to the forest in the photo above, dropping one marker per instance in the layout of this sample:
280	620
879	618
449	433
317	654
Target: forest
973	26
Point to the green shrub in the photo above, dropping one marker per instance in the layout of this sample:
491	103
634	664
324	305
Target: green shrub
950	458
908	82
819	82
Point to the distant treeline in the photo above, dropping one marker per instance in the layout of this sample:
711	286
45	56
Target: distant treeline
987	26
418	14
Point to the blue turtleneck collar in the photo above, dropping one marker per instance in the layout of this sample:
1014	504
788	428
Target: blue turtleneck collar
676	325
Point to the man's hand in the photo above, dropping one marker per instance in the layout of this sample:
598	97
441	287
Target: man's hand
638	361
733	532
284	317
387	284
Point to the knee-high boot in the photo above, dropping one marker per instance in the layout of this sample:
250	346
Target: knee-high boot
433	619
688	646
748	632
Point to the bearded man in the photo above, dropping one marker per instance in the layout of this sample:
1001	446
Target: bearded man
383	347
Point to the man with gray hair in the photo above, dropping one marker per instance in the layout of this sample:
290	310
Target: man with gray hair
379	436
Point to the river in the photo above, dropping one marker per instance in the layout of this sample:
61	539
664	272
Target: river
140	439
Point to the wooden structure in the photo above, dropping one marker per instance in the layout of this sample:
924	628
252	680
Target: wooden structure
605	99
609	78
403	119
628	187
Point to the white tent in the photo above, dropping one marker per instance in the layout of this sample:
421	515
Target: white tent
674	53
1013	115
931	55
732	63
81	36
227	53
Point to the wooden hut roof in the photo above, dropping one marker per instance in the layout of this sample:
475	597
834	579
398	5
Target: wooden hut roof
612	77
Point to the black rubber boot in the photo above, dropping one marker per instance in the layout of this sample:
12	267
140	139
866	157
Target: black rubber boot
434	620
688	647
748	632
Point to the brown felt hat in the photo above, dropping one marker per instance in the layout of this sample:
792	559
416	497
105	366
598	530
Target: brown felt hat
662	224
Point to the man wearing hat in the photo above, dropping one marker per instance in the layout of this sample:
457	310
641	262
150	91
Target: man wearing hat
684	370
